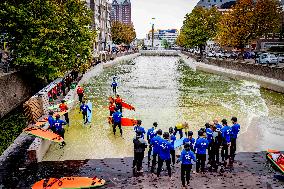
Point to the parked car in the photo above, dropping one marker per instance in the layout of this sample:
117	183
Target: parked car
234	56
210	54
219	54
266	58
280	58
226	55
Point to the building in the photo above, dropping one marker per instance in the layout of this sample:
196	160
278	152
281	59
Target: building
101	23
170	35
224	4
121	11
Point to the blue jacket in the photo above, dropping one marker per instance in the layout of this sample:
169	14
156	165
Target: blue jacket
155	143
200	145
165	148
116	116
151	133
58	124
84	108
141	129
226	134
173	139
219	126
190	141
50	121
209	134
235	130
186	157
114	84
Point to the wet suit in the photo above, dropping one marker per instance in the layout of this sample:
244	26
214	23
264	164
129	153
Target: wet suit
186	165
117	121
200	148
165	148
155	143
114	86
139	147
84	108
151	133
234	135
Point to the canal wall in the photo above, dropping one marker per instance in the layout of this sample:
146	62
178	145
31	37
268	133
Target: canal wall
265	82
159	52
14	90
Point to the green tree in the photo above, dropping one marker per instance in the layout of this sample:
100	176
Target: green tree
199	26
48	35
122	33
165	43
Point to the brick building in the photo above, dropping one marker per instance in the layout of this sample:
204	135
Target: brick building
121	11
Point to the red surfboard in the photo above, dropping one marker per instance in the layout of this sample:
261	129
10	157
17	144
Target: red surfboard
45	134
127	106
125	122
68	182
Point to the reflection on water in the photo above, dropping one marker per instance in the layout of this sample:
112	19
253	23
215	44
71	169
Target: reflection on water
165	90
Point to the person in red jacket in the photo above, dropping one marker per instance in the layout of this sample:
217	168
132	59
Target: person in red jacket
111	108
64	108
80	92
118	103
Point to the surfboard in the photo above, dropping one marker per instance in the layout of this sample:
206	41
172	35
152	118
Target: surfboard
45	134
125	122
90	114
127	106
45	120
178	143
57	105
69	182
277	163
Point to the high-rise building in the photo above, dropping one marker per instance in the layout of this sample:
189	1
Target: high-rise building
121	11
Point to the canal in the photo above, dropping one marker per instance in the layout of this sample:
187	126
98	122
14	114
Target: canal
166	90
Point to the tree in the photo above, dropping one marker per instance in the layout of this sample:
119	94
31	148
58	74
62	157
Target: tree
199	26
48	35
248	21
180	41
165	43
122	33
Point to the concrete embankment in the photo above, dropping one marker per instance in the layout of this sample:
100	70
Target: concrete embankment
265	82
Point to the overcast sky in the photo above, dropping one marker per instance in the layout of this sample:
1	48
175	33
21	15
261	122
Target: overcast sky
169	14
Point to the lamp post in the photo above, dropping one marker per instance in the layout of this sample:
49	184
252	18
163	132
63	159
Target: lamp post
153	32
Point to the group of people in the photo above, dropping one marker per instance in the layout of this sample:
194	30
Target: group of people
212	139
115	111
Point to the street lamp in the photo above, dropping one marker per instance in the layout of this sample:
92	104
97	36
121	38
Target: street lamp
153	19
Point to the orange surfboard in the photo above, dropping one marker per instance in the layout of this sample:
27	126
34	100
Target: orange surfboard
45	134
68	182
127	106
125	122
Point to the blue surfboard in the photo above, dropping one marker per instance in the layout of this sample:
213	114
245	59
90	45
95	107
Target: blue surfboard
178	143
90	114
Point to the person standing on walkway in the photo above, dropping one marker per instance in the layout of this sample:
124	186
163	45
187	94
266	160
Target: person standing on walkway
118	103
155	144
85	108
200	148
226	135
139	147
59	129
165	148
217	142
116	117
64	108
80	92
172	140
114	85
209	135
234	135
151	133
139	128
189	140
186	157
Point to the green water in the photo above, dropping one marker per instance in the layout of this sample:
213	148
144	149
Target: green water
165	90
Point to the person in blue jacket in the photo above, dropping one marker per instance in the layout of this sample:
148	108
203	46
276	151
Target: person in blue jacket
217	124
58	125
139	128
189	140
172	140
51	121
209	135
226	135
234	135
151	133
200	147
84	108
155	145
185	158
116	117
114	85
165	148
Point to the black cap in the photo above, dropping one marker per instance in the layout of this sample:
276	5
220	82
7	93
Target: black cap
160	132
234	119
155	124
190	133
224	121
200	133
139	122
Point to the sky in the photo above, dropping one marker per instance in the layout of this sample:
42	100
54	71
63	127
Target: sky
168	14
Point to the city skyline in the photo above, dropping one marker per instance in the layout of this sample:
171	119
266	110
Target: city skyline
167	15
